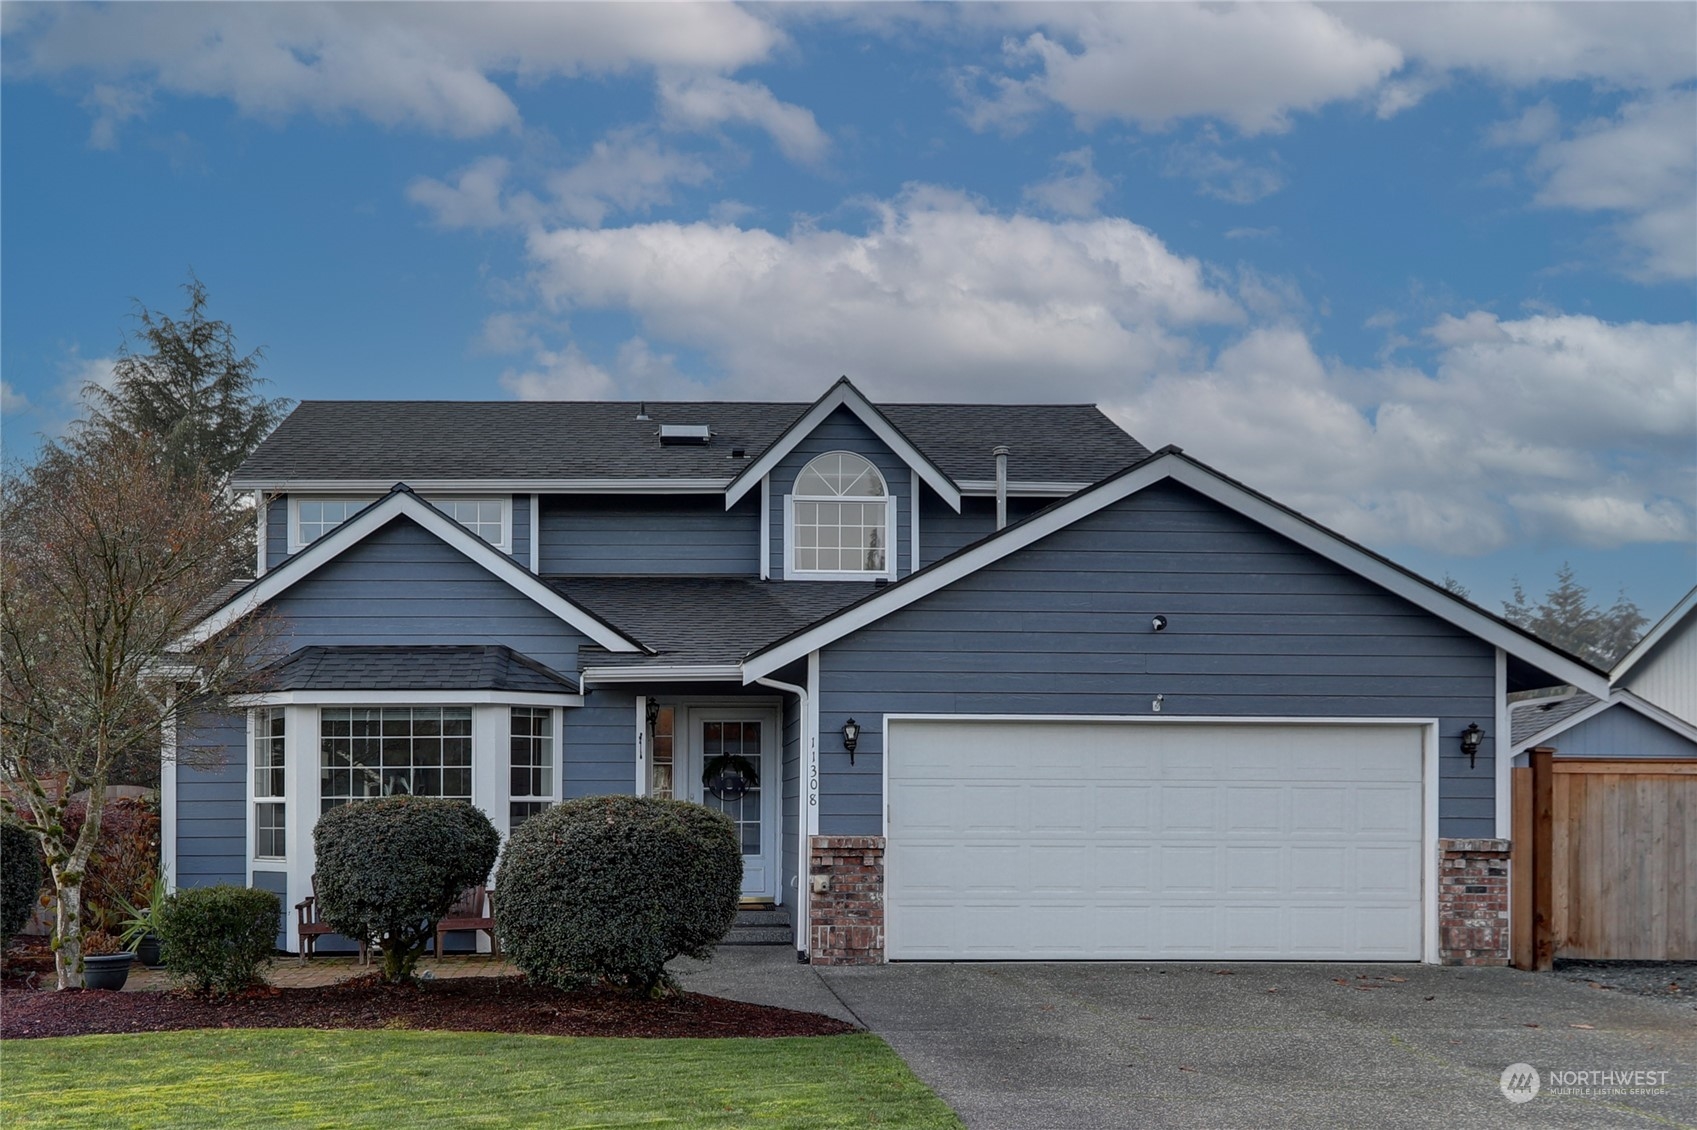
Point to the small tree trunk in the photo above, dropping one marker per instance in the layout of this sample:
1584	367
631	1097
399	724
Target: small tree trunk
67	928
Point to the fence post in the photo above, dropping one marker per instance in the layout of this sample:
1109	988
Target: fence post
1543	859
1520	867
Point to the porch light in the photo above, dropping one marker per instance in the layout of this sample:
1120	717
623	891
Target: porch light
851	737
1470	739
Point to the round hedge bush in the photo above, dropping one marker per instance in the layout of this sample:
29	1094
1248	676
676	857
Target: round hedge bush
217	938
613	887
390	868
21	876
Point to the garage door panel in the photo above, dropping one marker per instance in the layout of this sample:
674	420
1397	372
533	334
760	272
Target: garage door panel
1038	840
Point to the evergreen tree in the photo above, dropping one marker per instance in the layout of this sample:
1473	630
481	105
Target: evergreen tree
184	383
1568	619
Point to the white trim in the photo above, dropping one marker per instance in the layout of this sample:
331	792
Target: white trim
1618	698
687	764
642	745
490	486
254	859
1429	778
535	532
1652	638
812	822
168	803
913	523
843	395
1180	469
805	798
374	518
765	527
260	531
707	672
1021	490
891	549
408	698
301	761
1502	745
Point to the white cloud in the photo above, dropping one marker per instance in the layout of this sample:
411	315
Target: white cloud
11	400
706	101
1232	179
472	201
562	374
1641	163
422	65
1075	189
1560	428
937	294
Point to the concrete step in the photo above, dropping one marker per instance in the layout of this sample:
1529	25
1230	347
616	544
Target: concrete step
764	916
758	936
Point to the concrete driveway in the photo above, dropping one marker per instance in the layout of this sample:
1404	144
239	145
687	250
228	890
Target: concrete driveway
1249	1045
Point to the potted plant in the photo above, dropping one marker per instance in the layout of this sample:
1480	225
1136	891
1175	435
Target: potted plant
106	963
137	926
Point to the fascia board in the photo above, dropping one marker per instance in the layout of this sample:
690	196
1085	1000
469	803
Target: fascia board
843	395
375	517
489	486
405	698
708	672
1653	638
1179	468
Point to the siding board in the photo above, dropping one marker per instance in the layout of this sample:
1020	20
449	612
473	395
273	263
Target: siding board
687	535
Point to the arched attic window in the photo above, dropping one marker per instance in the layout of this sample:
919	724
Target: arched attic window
840	520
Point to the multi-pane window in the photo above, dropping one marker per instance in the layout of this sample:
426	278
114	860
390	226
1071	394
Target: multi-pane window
485	517
268	767
316	517
532	763
660	760
840	517
369	751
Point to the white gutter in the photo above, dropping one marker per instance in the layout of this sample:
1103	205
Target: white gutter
706	672
808	801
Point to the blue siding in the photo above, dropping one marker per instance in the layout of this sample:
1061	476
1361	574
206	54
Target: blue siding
942	531
277	882
1621	731
276	531
1259	627
843	431
599	744
403	586
212	803
688	535
521	530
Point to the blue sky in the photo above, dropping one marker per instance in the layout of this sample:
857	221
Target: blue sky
1424	272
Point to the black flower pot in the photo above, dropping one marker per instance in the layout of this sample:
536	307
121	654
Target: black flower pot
147	951
106	970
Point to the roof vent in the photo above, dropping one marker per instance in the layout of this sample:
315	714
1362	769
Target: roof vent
642	410
676	435
739	453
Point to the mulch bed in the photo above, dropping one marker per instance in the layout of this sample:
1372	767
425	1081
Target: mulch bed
460	1004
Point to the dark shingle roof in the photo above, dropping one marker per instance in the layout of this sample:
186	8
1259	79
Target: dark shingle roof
419	440
418	668
1530	721
691	620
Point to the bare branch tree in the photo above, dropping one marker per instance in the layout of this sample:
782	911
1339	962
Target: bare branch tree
110	555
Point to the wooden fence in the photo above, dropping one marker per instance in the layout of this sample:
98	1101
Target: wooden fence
1605	860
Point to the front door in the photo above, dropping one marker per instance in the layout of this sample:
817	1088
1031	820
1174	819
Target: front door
734	768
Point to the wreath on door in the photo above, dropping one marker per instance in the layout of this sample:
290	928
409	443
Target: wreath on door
730	776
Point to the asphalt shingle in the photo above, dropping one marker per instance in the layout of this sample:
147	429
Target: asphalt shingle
416	668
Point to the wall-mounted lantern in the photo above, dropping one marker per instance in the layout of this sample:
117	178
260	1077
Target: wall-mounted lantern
851	737
1470	739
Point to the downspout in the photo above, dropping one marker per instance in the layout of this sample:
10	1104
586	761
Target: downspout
1000	451
806	748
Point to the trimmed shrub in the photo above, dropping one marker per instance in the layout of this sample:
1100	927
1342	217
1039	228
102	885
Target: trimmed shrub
21	875
217	938
610	888
390	868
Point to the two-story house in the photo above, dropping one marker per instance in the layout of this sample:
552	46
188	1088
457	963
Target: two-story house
974	681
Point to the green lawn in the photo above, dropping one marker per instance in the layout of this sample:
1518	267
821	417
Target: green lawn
299	1077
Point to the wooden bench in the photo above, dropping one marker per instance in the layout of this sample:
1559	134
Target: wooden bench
311	927
473	910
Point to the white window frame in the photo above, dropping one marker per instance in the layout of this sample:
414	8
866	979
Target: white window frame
419	703
556	763
792	573
505	545
254	800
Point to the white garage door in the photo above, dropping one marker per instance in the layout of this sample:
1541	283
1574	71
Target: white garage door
1052	840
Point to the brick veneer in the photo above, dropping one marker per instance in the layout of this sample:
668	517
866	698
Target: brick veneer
1473	902
846	920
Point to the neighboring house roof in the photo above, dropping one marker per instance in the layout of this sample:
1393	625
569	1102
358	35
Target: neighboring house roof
695	621
1590	708
1172	464
399	503
1667	626
413	668
1530	721
372	444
